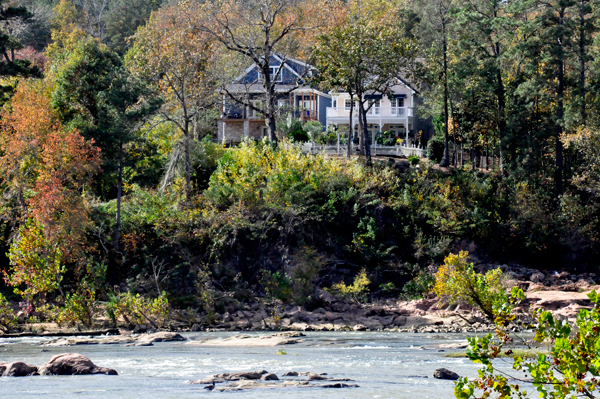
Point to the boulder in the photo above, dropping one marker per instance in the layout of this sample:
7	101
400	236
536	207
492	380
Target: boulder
445	374
72	364
270	377
316	377
339	385
537	278
17	369
291	374
162	336
359	327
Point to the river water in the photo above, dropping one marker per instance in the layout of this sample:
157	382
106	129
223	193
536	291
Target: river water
383	364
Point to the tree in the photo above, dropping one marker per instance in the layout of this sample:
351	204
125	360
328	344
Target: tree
95	94
256	31
436	23
45	167
171	54
488	26
366	56
10	64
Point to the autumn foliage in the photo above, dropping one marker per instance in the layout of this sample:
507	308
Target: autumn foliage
46	167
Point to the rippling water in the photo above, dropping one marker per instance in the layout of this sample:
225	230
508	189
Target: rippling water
384	365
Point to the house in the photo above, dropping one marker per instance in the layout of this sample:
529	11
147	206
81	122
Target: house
295	99
391	116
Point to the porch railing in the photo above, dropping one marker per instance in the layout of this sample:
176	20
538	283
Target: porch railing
376	149
384	112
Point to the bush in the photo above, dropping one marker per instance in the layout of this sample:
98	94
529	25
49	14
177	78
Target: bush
137	310
307	265
8	318
79	309
459	282
435	148
419	286
414	160
277	285
357	291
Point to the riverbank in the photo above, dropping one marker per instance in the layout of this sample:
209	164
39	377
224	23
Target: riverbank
560	292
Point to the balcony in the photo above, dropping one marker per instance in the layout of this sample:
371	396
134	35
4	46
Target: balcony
378	112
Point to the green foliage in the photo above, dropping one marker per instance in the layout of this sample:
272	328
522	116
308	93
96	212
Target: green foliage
421	285
293	129
435	148
414	160
275	176
138	310
568	369
79	308
307	266
36	267
459	282
277	285
357	291
8	318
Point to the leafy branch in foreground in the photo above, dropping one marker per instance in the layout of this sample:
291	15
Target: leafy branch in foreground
569	369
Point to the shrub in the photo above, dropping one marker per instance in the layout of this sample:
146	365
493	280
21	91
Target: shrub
414	160
419	286
307	265
277	285
435	148
357	291
459	282
138	310
8	318
79	309
35	262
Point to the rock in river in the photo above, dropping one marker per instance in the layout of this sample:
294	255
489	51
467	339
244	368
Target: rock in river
17	369
445	374
72	364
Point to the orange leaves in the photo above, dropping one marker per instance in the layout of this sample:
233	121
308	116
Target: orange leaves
46	167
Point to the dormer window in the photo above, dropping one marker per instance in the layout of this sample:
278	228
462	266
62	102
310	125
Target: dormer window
272	71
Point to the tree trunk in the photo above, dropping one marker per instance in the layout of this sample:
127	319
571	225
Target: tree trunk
361	129
560	88
501	110
350	127
119	194
365	133
188	174
446	157
582	57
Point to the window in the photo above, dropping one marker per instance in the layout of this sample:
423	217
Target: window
347	104
252	113
273	71
397	102
374	104
397	106
334	103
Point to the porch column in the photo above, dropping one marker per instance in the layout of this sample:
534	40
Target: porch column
246	128
220	132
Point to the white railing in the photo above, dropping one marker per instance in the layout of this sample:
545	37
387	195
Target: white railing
384	112
376	149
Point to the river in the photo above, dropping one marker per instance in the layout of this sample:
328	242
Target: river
384	365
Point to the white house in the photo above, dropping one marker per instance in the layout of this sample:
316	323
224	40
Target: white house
392	114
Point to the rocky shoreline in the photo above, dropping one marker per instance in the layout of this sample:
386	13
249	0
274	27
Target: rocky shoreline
560	292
